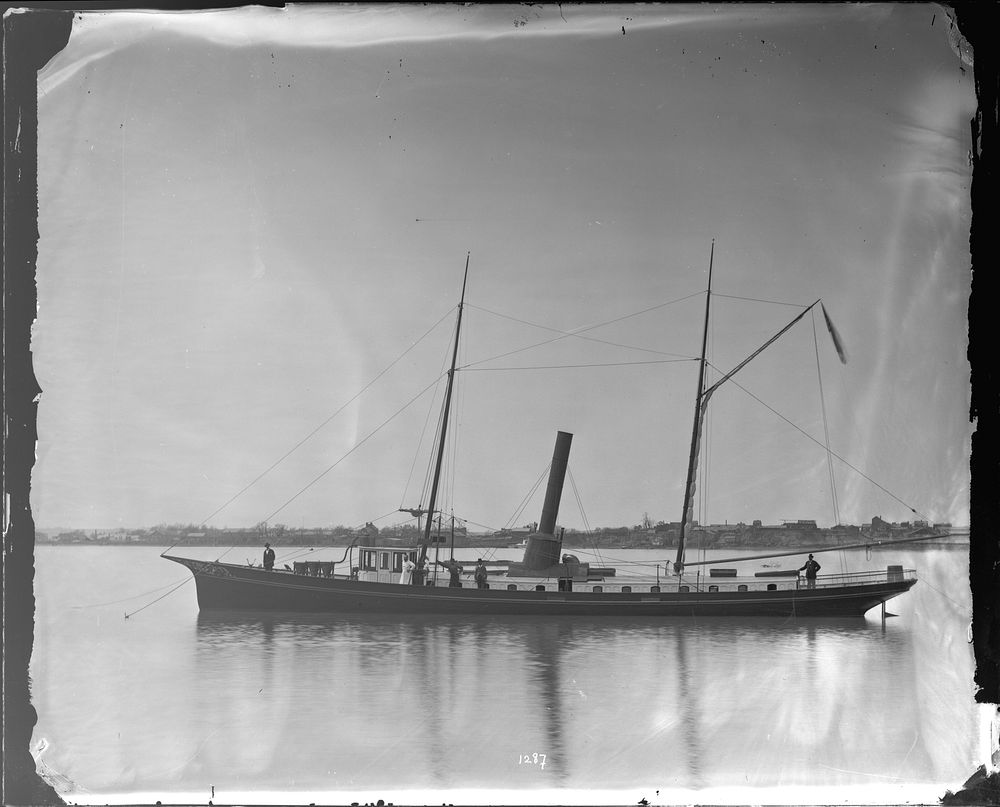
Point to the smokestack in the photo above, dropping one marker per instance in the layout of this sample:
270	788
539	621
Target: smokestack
557	474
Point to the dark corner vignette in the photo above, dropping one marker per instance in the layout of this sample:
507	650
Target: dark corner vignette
32	37
973	22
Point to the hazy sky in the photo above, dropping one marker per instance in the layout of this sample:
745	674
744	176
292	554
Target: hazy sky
246	215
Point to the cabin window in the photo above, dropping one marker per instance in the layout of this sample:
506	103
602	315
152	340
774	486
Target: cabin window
772	586
511	587
741	587
397	561
713	588
383	560
539	588
685	588
626	589
597	589
654	589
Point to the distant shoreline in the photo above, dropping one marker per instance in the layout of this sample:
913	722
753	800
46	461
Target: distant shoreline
791	536
877	543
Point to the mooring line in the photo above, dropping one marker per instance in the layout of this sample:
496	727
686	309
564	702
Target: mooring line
183	582
126	599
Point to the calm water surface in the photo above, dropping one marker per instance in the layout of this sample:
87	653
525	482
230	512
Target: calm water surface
173	701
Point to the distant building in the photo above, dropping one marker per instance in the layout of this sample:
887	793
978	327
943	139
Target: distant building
879	525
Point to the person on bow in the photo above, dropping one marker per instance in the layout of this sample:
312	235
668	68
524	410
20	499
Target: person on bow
268	558
810	568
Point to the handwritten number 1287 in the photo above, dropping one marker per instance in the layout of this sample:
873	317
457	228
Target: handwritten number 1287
531	759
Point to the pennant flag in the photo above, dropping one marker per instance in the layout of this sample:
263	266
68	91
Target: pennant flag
837	341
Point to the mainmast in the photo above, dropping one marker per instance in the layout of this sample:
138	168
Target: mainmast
701	404
444	423
696	430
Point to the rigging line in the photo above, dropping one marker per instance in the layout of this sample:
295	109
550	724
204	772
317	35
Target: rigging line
757	300
386	515
577	333
354	448
826	427
429	472
477	524
433	407
939	591
126	599
583	514
579	501
833	453
474	369
454	431
294	448
518	514
709	421
416	454
185	581
527	497
425	492
297	554
303	552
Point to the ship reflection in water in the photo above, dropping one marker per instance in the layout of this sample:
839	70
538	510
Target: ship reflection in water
313	702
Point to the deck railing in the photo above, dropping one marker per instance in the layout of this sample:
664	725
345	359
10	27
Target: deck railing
892	575
693	583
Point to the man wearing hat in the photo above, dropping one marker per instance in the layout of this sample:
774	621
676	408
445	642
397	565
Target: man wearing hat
480	575
269	558
811	567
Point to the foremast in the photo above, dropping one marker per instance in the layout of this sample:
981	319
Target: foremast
444	425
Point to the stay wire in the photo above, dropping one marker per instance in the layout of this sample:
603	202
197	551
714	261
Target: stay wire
826	427
756	300
577	334
416	455
579	501
586	522
294	448
471	368
833	453
301	552
455	431
489	527
353	449
425	491
578	331
939	591
527	497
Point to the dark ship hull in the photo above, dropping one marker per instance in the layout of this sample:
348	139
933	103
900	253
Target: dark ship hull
231	587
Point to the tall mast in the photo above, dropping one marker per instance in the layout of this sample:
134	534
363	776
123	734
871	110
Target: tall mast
696	430
444	420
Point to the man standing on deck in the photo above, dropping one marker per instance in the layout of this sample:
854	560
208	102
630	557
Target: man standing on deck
454	570
481	574
811	567
268	558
